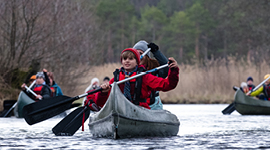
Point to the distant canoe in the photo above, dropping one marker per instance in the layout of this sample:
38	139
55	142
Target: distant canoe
23	100
119	118
247	105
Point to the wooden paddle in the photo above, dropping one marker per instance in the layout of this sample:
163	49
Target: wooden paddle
229	109
69	125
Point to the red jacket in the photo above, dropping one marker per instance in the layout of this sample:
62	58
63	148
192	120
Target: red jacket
149	83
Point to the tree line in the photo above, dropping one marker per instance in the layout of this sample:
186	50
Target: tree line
68	37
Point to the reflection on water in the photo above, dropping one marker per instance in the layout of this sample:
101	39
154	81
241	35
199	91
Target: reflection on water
202	127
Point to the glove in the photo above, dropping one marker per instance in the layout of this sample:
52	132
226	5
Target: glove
153	47
92	105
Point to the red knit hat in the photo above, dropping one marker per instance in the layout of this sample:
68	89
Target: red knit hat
134	51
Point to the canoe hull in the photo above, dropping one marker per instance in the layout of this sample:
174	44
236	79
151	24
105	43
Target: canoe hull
23	100
246	105
119	118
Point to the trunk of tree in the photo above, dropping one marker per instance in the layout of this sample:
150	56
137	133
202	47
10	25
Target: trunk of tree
197	52
181	53
110	50
225	45
205	47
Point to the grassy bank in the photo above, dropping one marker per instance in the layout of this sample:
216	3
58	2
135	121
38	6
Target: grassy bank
209	83
199	84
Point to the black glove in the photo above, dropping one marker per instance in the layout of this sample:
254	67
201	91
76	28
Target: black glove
153	47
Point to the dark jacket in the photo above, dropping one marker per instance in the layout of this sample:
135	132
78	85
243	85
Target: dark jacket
45	92
162	60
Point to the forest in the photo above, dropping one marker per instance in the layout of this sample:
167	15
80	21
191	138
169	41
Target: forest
217	43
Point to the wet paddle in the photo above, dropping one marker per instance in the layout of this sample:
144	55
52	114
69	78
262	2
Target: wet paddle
72	122
69	125
229	109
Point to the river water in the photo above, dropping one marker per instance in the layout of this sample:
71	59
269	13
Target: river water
202	127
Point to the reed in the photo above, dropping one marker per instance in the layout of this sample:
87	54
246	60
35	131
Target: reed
206	83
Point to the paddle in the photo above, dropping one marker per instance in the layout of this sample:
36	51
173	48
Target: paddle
229	109
69	125
14	105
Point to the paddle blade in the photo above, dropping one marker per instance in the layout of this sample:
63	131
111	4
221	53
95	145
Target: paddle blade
228	110
45	109
71	123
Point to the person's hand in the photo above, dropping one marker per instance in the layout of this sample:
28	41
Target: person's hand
106	87
45	70
23	86
153	47
38	97
173	63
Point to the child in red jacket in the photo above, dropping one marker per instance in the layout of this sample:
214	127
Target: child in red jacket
139	89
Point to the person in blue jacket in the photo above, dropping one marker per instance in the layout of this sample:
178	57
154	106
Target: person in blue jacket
49	79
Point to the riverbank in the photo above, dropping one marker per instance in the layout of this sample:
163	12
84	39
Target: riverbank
210	83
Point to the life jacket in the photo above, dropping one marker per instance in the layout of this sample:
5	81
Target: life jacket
53	91
37	90
135	84
266	91
250	87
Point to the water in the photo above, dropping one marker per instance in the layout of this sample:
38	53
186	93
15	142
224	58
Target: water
202	127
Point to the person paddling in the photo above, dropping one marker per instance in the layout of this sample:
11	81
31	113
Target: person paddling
154	100
90	99
265	89
138	90
55	88
41	89
250	83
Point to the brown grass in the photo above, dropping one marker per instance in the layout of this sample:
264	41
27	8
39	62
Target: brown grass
211	83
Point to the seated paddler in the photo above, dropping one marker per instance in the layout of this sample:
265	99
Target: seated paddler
139	89
263	93
42	90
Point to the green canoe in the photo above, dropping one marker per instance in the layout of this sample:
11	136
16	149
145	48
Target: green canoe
23	100
119	118
247	105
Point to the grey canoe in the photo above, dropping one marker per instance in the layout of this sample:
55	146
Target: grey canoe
247	105
119	118
23	100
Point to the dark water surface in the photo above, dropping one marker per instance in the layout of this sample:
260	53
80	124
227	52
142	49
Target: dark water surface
202	127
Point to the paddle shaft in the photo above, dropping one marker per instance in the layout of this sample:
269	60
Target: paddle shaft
10	109
14	105
127	79
145	53
258	86
28	89
32	84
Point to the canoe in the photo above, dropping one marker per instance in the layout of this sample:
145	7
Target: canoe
119	118
23	100
247	105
